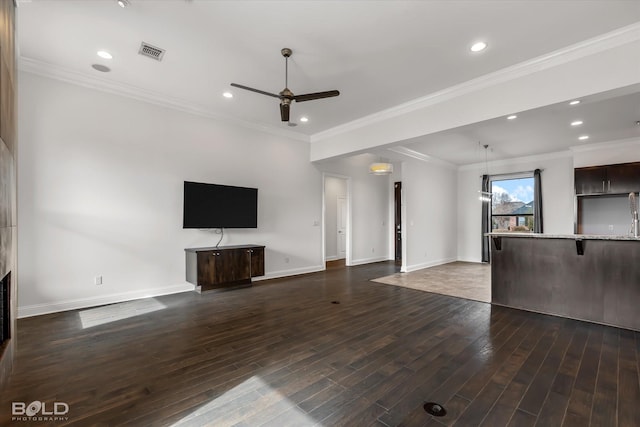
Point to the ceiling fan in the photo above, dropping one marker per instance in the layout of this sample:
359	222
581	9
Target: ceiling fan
286	96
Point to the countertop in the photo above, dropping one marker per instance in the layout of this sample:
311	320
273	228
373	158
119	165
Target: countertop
215	248
565	236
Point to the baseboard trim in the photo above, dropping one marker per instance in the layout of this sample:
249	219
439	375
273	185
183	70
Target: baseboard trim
367	260
475	260
40	309
292	272
414	267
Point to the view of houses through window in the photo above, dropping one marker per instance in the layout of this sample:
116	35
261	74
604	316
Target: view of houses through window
512	204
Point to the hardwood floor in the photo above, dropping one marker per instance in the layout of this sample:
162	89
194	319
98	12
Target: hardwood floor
327	349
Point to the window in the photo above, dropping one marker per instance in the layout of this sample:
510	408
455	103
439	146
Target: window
512	204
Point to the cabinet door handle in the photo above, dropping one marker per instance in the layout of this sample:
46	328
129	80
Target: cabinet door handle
609	183
603	185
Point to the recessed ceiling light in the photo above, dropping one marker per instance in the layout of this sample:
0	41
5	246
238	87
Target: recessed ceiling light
104	54
227	95
511	117
304	119
477	47
576	123
123	3
575	102
583	137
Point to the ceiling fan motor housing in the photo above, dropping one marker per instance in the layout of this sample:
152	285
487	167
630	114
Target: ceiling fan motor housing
286	94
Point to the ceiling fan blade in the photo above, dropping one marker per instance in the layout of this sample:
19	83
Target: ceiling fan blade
255	90
317	95
284	112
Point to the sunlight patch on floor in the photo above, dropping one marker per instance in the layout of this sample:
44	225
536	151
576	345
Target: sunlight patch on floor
114	312
247	403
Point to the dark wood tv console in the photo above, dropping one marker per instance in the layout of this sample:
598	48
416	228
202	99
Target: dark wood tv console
224	266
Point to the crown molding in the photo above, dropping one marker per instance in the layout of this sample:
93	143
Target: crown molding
517	160
420	156
133	92
618	143
601	43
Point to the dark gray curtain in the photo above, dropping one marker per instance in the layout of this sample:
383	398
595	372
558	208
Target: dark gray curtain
537	202
486	218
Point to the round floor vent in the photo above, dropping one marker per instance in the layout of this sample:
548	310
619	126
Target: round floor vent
435	409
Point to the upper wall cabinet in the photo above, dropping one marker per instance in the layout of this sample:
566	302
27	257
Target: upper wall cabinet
610	179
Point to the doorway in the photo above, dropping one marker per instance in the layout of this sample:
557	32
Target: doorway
397	221
336	220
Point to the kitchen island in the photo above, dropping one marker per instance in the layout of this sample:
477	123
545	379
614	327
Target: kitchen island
586	277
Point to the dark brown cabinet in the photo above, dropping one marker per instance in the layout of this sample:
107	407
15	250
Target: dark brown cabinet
225	266
610	179
590	180
257	261
624	178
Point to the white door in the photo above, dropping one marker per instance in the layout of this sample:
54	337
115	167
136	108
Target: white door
342	227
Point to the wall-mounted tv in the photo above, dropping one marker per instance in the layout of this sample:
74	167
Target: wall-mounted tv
219	206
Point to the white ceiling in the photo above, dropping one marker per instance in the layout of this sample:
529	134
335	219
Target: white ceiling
377	53
609	116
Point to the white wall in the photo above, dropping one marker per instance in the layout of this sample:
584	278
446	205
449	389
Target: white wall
369	207
333	188
429	220
557	197
606	215
100	180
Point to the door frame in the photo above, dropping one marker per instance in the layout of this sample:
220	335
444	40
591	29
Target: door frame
398	223
345	226
324	207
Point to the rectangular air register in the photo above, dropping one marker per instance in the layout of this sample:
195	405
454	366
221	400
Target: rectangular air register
151	51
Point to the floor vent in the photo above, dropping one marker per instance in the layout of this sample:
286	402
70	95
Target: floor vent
435	409
151	51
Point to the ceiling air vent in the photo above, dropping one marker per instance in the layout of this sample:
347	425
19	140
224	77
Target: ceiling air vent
151	51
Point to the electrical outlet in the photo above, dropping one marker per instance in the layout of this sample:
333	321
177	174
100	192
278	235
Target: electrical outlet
97	280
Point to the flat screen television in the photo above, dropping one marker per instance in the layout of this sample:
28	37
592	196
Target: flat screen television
219	206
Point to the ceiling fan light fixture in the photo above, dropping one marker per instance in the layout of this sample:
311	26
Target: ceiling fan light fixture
227	94
380	168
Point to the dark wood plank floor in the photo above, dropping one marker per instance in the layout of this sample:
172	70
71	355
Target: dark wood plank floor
283	353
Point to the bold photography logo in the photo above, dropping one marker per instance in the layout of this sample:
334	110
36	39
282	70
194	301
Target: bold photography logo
39	411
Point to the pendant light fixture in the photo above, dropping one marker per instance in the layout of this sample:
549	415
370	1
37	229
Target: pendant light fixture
485	196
